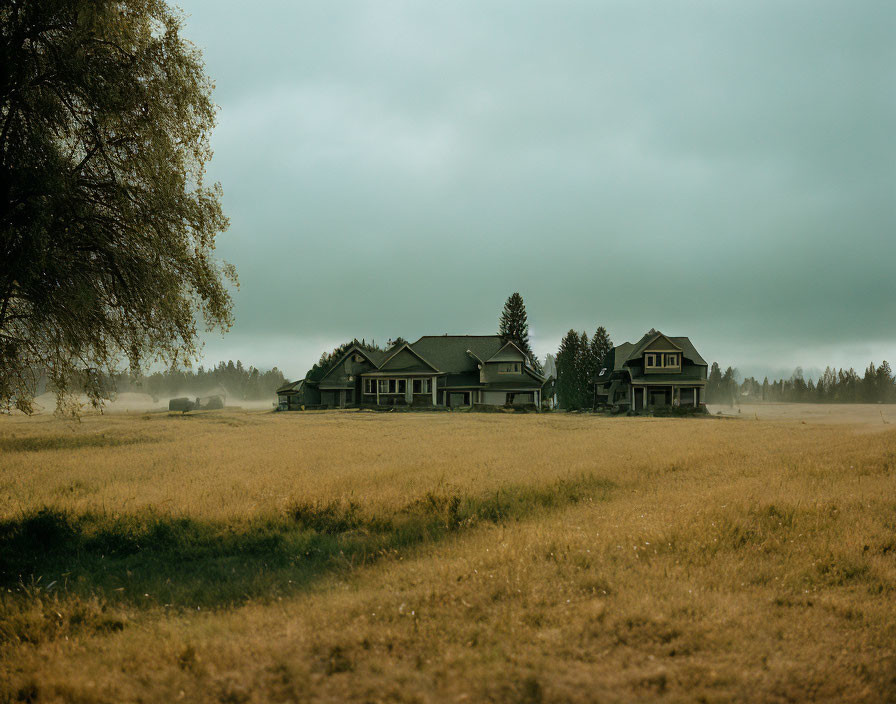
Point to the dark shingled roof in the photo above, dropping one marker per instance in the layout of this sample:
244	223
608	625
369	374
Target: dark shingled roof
618	356
448	353
687	348
290	386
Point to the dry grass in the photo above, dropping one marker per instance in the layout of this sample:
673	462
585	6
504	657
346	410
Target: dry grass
243	557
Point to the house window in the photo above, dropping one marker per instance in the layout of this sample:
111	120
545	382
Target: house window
422	386
650	360
370	386
392	385
671	360
509	368
384	386
402	385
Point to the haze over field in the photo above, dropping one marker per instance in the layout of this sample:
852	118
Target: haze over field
720	171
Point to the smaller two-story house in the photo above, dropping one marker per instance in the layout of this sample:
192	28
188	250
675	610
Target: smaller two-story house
655	371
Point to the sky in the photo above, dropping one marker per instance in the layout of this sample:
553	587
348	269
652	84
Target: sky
720	170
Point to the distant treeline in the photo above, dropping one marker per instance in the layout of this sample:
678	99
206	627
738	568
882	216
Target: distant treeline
234	380
877	385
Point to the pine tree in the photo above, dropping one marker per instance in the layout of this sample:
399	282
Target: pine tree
714	384
729	386
514	327
601	344
567	379
884	382
869	384
585	373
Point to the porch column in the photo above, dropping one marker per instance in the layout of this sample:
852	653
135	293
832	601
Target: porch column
377	382
434	390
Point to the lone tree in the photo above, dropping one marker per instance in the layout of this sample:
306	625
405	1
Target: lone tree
514	327
107	227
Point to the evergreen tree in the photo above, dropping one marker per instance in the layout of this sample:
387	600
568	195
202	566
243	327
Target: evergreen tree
514	327
869	384
728	386
714	384
585	372
568	357
884	383
601	344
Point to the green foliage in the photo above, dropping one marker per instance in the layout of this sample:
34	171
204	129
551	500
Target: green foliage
513	326
107	227
578	362
721	388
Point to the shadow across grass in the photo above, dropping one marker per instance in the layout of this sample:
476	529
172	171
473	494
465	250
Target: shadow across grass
40	443
149	560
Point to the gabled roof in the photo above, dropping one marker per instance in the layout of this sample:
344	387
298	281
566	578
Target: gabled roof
627	351
617	357
375	357
654	340
508	353
393	360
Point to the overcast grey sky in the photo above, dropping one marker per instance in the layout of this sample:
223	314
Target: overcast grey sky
725	171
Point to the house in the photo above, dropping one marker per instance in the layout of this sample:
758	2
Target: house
655	371
293	395
437	370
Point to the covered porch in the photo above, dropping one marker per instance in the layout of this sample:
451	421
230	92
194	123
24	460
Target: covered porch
648	396
390	388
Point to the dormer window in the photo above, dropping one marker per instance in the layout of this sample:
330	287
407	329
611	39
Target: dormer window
509	368
671	360
650	360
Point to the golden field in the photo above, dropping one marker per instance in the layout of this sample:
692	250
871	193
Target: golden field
447	557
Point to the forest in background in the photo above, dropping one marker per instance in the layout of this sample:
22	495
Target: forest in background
231	379
876	385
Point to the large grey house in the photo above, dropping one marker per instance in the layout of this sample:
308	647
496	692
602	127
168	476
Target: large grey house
655	371
444	370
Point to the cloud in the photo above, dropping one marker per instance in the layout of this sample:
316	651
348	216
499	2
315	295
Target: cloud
724	171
